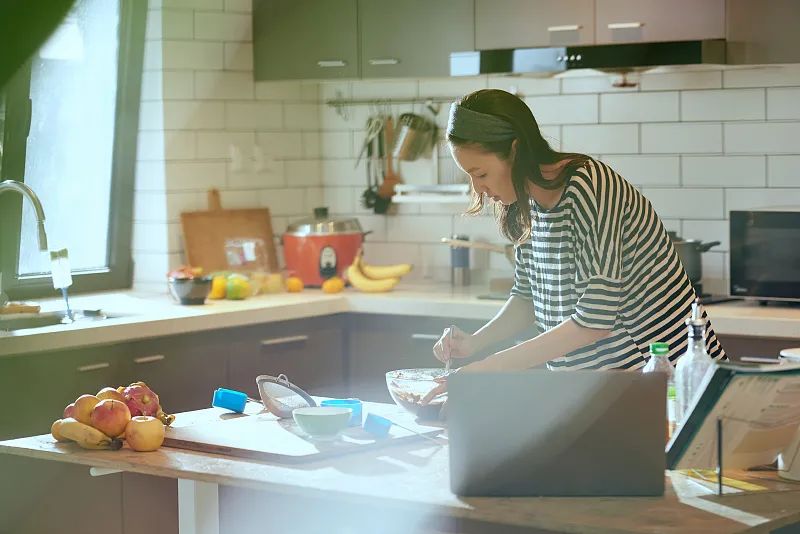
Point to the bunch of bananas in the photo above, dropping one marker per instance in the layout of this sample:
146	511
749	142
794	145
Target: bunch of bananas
88	437
375	278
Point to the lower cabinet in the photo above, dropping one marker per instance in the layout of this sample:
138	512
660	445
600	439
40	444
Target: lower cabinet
738	346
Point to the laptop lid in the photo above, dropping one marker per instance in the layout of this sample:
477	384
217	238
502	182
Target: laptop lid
541	432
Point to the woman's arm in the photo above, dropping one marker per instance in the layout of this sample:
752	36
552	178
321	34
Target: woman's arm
563	339
515	316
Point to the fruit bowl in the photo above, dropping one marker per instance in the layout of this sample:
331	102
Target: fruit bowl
408	386
190	290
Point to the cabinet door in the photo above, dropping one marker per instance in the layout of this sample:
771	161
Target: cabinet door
413	37
530	23
308	351
41	385
184	370
295	39
380	343
763	32
628	21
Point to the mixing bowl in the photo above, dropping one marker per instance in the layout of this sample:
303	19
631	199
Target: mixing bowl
408	386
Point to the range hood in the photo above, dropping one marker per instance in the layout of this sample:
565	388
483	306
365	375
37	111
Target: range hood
623	57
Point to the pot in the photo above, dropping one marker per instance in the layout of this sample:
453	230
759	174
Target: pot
689	251
507	250
320	247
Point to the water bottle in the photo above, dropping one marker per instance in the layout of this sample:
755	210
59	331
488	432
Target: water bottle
693	365
659	363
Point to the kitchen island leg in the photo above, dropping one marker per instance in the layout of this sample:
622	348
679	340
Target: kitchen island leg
198	507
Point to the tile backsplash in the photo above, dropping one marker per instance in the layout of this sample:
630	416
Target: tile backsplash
698	142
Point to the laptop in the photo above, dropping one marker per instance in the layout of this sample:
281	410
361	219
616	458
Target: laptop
546	433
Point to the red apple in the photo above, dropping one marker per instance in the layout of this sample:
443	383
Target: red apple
144	433
111	417
69	411
110	393
141	400
83	408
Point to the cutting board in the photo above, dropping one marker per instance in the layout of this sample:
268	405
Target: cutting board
205	232
265	437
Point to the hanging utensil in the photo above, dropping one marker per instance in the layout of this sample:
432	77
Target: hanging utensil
370	194
391	178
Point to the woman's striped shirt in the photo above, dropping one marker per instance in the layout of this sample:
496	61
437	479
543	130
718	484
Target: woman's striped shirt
602	258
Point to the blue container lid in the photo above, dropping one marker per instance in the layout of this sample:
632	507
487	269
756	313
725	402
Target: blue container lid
377	426
229	399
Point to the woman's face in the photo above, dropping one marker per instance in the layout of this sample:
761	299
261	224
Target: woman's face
489	174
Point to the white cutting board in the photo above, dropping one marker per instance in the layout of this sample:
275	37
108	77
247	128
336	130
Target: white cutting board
265	437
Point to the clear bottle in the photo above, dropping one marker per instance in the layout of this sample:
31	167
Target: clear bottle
693	365
659	363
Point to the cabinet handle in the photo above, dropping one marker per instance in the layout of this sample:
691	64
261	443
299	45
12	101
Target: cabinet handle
93	367
565	28
384	61
426	337
283	340
331	63
624	25
149	359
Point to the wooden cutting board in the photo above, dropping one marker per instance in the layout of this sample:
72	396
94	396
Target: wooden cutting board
265	437
205	233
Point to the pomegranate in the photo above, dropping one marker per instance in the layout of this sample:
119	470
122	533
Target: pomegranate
141	400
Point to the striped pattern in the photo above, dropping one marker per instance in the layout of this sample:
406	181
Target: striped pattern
603	258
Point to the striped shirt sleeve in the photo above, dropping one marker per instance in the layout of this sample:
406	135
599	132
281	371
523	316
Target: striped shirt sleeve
522	282
603	209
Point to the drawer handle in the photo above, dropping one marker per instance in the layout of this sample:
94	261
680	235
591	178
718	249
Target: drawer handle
426	337
149	359
565	28
384	61
624	25
93	367
331	63
283	340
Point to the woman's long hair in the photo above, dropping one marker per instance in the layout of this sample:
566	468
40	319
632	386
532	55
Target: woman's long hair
532	150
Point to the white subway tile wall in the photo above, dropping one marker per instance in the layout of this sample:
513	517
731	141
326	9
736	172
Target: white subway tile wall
698	142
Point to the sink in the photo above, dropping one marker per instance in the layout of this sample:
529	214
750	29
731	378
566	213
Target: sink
23	321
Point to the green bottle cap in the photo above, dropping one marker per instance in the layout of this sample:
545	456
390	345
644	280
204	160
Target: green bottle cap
659	348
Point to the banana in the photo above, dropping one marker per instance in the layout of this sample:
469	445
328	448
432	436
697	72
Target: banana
367	285
86	436
379	272
54	430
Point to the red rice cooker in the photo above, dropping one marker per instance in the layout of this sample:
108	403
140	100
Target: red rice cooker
319	248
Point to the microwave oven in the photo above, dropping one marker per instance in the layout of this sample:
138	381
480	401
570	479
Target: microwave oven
765	254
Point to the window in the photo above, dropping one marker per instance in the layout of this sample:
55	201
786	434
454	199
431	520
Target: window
74	145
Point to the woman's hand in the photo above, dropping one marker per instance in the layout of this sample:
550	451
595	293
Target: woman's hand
454	343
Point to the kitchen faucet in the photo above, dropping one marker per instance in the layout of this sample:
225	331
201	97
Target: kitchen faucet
25	191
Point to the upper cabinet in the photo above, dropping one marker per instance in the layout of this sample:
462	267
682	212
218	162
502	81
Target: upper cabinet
633	21
763	32
296	39
531	23
413	37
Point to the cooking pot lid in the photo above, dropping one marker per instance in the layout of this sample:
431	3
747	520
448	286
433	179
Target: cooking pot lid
322	224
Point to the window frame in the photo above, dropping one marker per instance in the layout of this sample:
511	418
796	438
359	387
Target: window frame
119	272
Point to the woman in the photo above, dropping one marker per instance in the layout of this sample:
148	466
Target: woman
595	269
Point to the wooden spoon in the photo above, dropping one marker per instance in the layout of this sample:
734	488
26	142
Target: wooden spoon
390	179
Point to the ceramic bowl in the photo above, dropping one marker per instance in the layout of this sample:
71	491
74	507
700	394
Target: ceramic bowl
324	422
190	290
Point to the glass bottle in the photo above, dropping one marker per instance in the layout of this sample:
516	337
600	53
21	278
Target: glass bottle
693	365
659	363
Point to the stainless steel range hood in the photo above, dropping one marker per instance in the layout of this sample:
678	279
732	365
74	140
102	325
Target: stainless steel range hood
626	56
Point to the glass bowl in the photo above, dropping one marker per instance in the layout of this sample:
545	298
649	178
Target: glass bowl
408	386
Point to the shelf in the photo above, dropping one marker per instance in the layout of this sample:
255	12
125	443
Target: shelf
432	194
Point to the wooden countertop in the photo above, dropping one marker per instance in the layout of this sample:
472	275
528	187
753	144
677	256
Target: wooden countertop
414	476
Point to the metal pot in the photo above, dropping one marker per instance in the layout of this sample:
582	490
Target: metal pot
318	248
689	251
507	250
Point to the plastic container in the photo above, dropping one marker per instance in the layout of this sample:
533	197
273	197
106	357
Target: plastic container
229	399
659	363
353	404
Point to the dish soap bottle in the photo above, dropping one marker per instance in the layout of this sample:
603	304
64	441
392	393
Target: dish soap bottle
659	363
693	365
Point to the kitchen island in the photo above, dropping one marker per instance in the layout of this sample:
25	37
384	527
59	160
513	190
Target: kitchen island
405	488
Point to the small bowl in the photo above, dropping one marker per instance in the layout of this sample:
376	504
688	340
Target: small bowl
190	290
322	422
408	386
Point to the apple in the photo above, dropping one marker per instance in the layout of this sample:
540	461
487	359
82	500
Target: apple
83	408
69	411
144	433
110	393
110	417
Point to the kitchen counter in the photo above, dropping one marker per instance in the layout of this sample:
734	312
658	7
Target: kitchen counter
406	486
142	315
